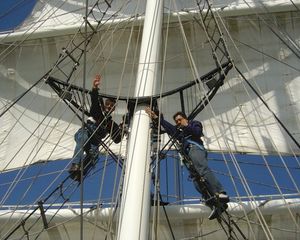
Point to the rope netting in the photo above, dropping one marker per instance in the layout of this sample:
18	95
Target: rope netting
191	97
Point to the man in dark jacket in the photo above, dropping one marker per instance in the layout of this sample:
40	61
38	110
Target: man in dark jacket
189	134
98	126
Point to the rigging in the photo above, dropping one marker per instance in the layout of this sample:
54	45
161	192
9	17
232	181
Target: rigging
71	94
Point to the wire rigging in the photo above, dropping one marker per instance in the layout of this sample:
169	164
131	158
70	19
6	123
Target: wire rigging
77	100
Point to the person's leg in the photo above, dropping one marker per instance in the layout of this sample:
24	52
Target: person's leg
199	159
91	149
91	157
81	138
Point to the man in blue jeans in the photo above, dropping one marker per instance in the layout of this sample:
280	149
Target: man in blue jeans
98	126
189	134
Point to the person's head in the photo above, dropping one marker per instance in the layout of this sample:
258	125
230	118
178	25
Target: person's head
180	119
109	105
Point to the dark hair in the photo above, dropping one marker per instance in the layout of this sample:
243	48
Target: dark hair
182	114
112	100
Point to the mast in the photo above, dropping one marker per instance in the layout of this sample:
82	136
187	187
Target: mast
135	205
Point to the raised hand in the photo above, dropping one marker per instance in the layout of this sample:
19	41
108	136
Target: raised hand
97	81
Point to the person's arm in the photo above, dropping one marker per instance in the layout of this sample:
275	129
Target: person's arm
95	110
169	128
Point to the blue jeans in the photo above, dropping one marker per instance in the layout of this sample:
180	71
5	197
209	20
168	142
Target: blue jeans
198	156
83	145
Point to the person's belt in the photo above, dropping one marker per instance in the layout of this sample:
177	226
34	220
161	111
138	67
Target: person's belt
193	143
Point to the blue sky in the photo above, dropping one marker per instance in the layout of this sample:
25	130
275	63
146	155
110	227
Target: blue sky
14	12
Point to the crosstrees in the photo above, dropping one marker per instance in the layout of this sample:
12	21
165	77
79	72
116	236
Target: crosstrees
72	94
71	56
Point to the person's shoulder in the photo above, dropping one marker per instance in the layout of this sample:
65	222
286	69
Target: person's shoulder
195	122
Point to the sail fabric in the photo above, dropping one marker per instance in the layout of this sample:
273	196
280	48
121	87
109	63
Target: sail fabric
13	13
245	124
236	120
190	221
43	143
28	137
51	17
59	15
40	126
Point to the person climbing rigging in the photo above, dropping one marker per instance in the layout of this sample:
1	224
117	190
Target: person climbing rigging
98	126
189	134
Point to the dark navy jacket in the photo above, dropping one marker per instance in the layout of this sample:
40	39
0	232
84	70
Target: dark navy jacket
103	122
192	132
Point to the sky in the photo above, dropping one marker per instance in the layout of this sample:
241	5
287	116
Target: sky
14	12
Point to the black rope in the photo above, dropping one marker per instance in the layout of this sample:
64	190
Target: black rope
25	231
207	98
167	217
59	190
235	225
295	5
267	55
267	106
21	96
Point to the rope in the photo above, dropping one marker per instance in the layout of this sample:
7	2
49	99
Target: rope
262	155
274	115
283	37
153	100
68	53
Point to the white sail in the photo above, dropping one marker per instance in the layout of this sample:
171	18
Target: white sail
255	111
236	112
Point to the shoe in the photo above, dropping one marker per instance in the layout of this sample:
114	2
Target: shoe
214	213
223	198
75	167
75	172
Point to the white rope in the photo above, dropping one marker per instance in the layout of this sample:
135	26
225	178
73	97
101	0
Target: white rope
233	157
57	120
209	104
269	169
